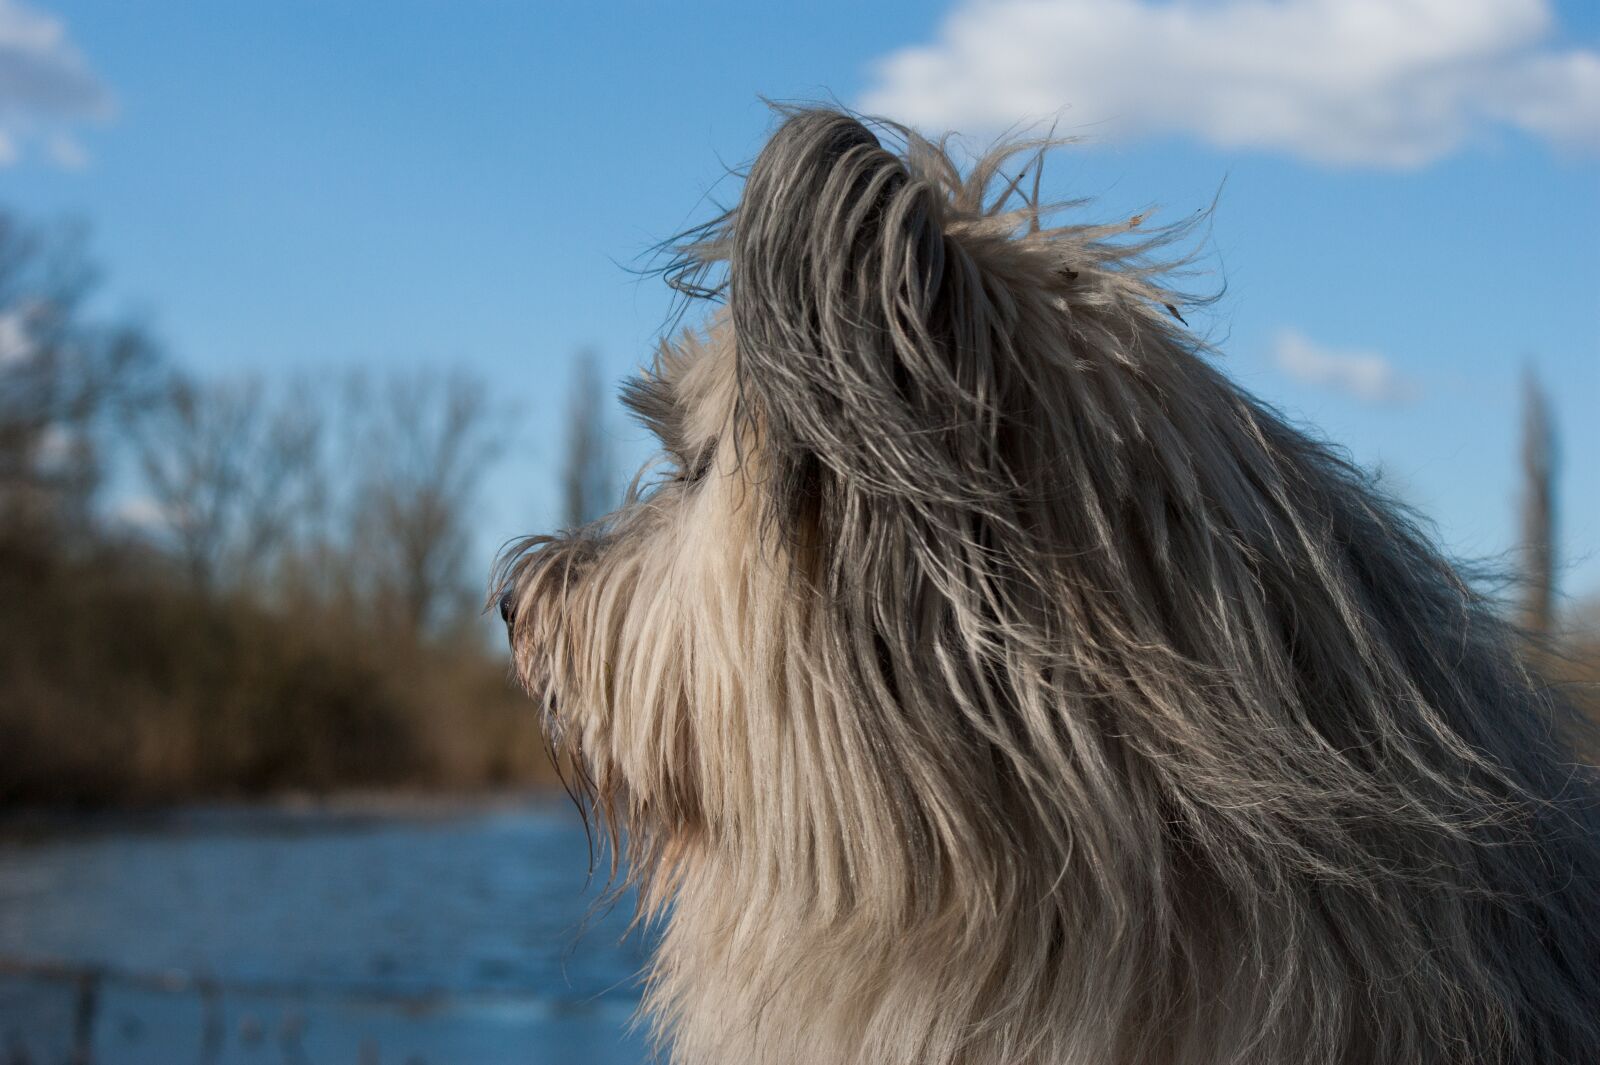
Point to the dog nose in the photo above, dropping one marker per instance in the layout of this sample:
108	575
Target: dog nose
507	602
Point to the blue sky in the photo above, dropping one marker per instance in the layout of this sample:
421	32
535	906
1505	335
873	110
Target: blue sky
1411	211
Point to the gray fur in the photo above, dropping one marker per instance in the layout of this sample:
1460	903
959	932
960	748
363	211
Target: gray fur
996	682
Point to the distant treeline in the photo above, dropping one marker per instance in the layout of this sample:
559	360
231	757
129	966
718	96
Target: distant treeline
229	588
238	587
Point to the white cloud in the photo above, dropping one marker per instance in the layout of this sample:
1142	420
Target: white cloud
46	85
16	338
1363	375
141	512
67	152
1385	83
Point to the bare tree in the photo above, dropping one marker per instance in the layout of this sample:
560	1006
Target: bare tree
231	468
588	482
65	379
1539	460
356	496
426	443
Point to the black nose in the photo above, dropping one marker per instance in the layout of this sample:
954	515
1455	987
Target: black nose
507	601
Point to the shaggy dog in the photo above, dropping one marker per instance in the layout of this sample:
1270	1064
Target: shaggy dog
994	681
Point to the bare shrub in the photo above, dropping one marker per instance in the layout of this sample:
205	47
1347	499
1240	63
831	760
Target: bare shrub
67	379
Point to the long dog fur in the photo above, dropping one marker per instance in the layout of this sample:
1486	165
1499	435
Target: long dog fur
994	681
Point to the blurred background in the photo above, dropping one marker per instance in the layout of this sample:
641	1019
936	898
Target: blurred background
307	309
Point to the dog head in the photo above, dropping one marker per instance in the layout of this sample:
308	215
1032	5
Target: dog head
817	641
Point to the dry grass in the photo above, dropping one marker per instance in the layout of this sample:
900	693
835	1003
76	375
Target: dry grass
121	685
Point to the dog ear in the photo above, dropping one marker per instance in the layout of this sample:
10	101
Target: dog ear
868	337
